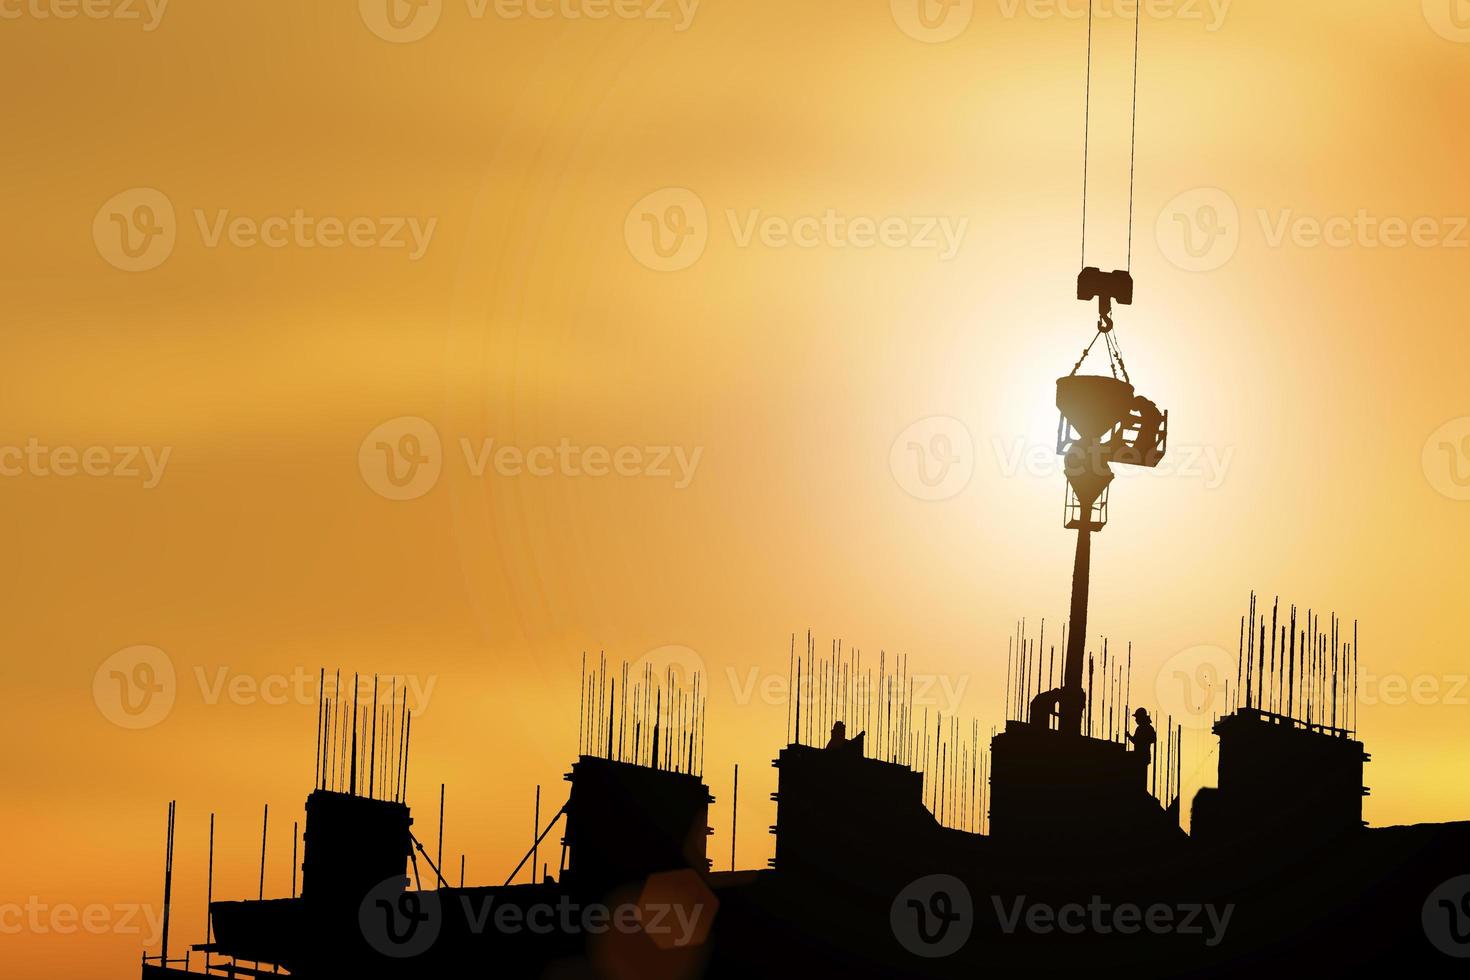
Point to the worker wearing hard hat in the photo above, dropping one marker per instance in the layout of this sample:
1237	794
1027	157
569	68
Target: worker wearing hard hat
1144	738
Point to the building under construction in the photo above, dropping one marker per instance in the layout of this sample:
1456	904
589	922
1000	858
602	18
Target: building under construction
905	845
986	829
910	847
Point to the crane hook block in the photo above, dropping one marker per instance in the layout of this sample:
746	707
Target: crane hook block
1106	287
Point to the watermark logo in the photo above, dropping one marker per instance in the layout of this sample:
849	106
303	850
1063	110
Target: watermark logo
148	13
838	230
1446	917
1210	13
41	461
138	687
401	21
1204	920
675	463
676	909
1362	229
933	917
679	13
1199	230
1209	465
398	923
1446	459
933	21
668	230
933	459
298	229
135	688
402	458
1450	19
136	230
681	662
1420	690
1191	685
943	692
38	917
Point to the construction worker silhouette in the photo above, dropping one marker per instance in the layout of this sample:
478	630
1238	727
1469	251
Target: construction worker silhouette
1141	436
839	736
840	741
1144	738
1150	431
1053	704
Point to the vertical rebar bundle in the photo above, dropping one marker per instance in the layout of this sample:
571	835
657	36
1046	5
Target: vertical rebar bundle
1310	678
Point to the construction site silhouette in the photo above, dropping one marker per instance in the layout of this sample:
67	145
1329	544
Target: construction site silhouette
906	844
909	849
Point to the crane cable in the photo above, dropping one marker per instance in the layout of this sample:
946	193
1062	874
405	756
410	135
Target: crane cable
1133	134
1132	137
1115	355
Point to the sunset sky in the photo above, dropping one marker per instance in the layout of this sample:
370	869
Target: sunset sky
660	295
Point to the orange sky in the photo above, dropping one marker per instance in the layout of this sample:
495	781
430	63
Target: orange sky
868	221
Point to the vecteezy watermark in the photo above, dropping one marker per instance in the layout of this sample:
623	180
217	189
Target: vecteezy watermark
933	21
680	662
398	923
1205	920
402	459
748	685
834	229
401	21
406	21
1446	459
41	918
147	13
679	923
943	692
1421	690
933	916
1208	465
1199	230
403	924
220	684
145	463
137	230
1446	917
298	229
934	458
1362	229
1210	13
669	230
1450	19
138	687
674	463
1192	685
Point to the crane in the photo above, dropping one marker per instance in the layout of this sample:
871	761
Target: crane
1104	421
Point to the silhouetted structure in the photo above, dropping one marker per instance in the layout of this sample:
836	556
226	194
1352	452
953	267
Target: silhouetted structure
836	805
1073	796
1073	821
626	822
1281	782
